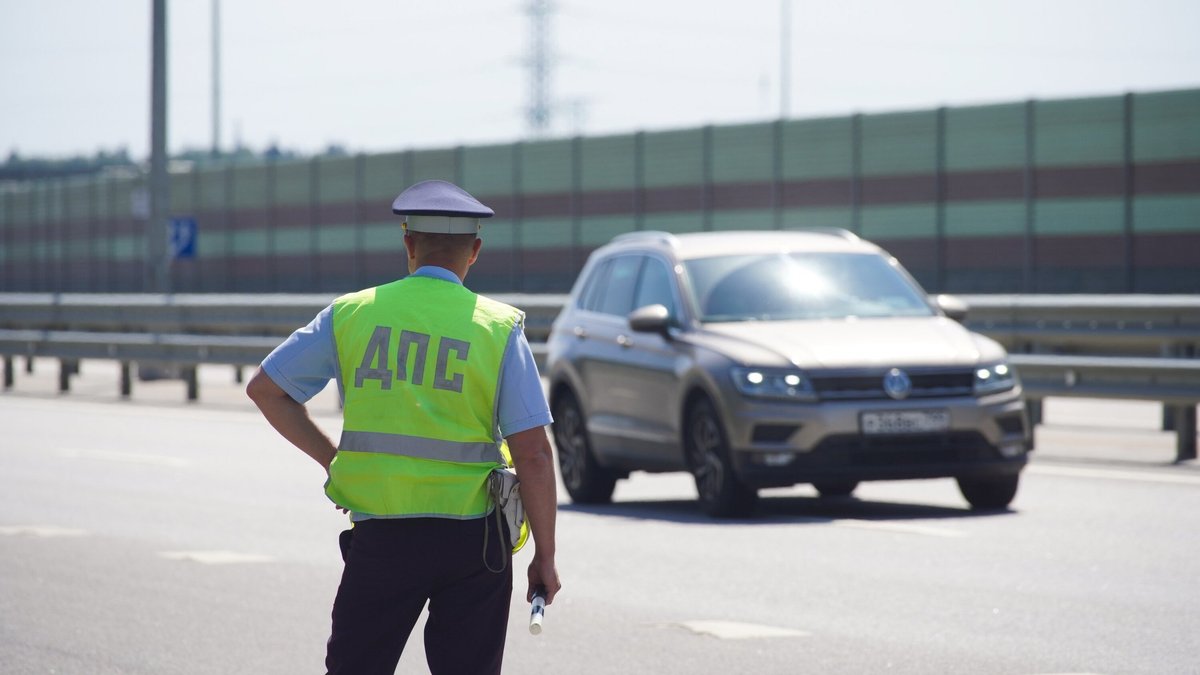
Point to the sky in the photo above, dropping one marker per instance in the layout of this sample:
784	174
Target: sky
388	75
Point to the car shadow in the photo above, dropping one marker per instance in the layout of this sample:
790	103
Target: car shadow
777	510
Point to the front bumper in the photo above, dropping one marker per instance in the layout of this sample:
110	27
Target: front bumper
859	458
988	436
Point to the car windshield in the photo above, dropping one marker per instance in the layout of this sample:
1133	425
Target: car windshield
788	286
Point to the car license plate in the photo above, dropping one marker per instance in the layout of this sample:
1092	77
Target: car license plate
905	422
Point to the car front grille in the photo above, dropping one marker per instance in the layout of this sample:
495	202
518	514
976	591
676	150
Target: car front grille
858	450
868	385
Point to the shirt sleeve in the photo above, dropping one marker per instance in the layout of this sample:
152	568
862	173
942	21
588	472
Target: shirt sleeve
305	362
521	400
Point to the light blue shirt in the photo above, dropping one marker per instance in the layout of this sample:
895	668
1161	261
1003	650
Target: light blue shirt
304	363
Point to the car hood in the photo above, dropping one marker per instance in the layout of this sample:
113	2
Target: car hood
851	343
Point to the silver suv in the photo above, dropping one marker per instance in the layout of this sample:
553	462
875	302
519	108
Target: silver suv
767	359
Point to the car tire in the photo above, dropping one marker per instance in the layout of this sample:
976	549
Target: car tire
835	488
586	481
720	492
989	492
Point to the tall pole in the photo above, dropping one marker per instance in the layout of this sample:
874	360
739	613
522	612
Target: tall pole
539	67
785	58
157	279
216	78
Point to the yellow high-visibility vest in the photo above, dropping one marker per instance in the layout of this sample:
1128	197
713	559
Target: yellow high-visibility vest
419	361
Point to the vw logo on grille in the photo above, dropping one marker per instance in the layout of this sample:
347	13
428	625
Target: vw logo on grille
896	384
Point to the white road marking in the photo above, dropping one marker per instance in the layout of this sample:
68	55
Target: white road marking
733	630
216	557
902	528
40	531
1115	474
126	457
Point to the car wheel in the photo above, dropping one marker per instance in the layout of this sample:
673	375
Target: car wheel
587	482
989	492
721	494
835	488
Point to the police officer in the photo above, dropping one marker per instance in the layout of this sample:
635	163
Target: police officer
439	388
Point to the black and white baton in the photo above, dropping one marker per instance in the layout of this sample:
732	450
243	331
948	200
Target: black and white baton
537	611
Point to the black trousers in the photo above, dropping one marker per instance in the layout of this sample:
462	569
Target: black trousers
393	567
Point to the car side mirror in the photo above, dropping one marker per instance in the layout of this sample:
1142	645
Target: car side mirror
952	306
650	319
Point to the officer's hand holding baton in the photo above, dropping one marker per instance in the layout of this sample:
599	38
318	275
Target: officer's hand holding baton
537	610
543	585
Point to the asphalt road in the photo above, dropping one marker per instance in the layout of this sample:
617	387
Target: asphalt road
151	536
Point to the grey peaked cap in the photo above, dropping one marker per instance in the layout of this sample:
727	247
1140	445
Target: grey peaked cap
439	198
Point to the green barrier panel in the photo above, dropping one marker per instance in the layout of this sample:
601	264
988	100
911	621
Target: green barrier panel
820	148
907	221
498	234
384	176
744	153
1166	126
335	180
182	188
744	219
822	216
677	223
985	218
1079	132
608	163
599	230
899	143
439	164
545	233
546	167
985	137
294	184
249	187
212	191
1079	216
673	158
1166	213
488	170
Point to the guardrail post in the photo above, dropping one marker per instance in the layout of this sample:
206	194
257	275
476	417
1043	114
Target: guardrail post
1168	410
193	383
126	380
1185	439
66	368
8	372
1034	407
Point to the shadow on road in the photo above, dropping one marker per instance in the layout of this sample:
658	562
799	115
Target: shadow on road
776	510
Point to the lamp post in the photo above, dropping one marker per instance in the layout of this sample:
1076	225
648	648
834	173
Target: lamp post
156	277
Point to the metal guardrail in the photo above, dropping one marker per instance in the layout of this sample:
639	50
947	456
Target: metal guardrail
1174	382
209	314
1150	325
1129	347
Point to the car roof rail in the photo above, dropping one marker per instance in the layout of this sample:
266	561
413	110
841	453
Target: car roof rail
840	232
656	235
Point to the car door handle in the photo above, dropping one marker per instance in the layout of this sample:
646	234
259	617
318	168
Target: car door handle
579	332
624	341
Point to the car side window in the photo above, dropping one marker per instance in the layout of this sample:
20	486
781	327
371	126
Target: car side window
619	286
593	291
654	288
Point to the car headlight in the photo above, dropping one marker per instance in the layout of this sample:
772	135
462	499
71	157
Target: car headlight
776	383
993	378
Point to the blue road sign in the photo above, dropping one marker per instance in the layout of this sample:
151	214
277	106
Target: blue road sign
183	238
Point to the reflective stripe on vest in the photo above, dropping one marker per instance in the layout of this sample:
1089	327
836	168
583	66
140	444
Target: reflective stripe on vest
420	448
419	360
